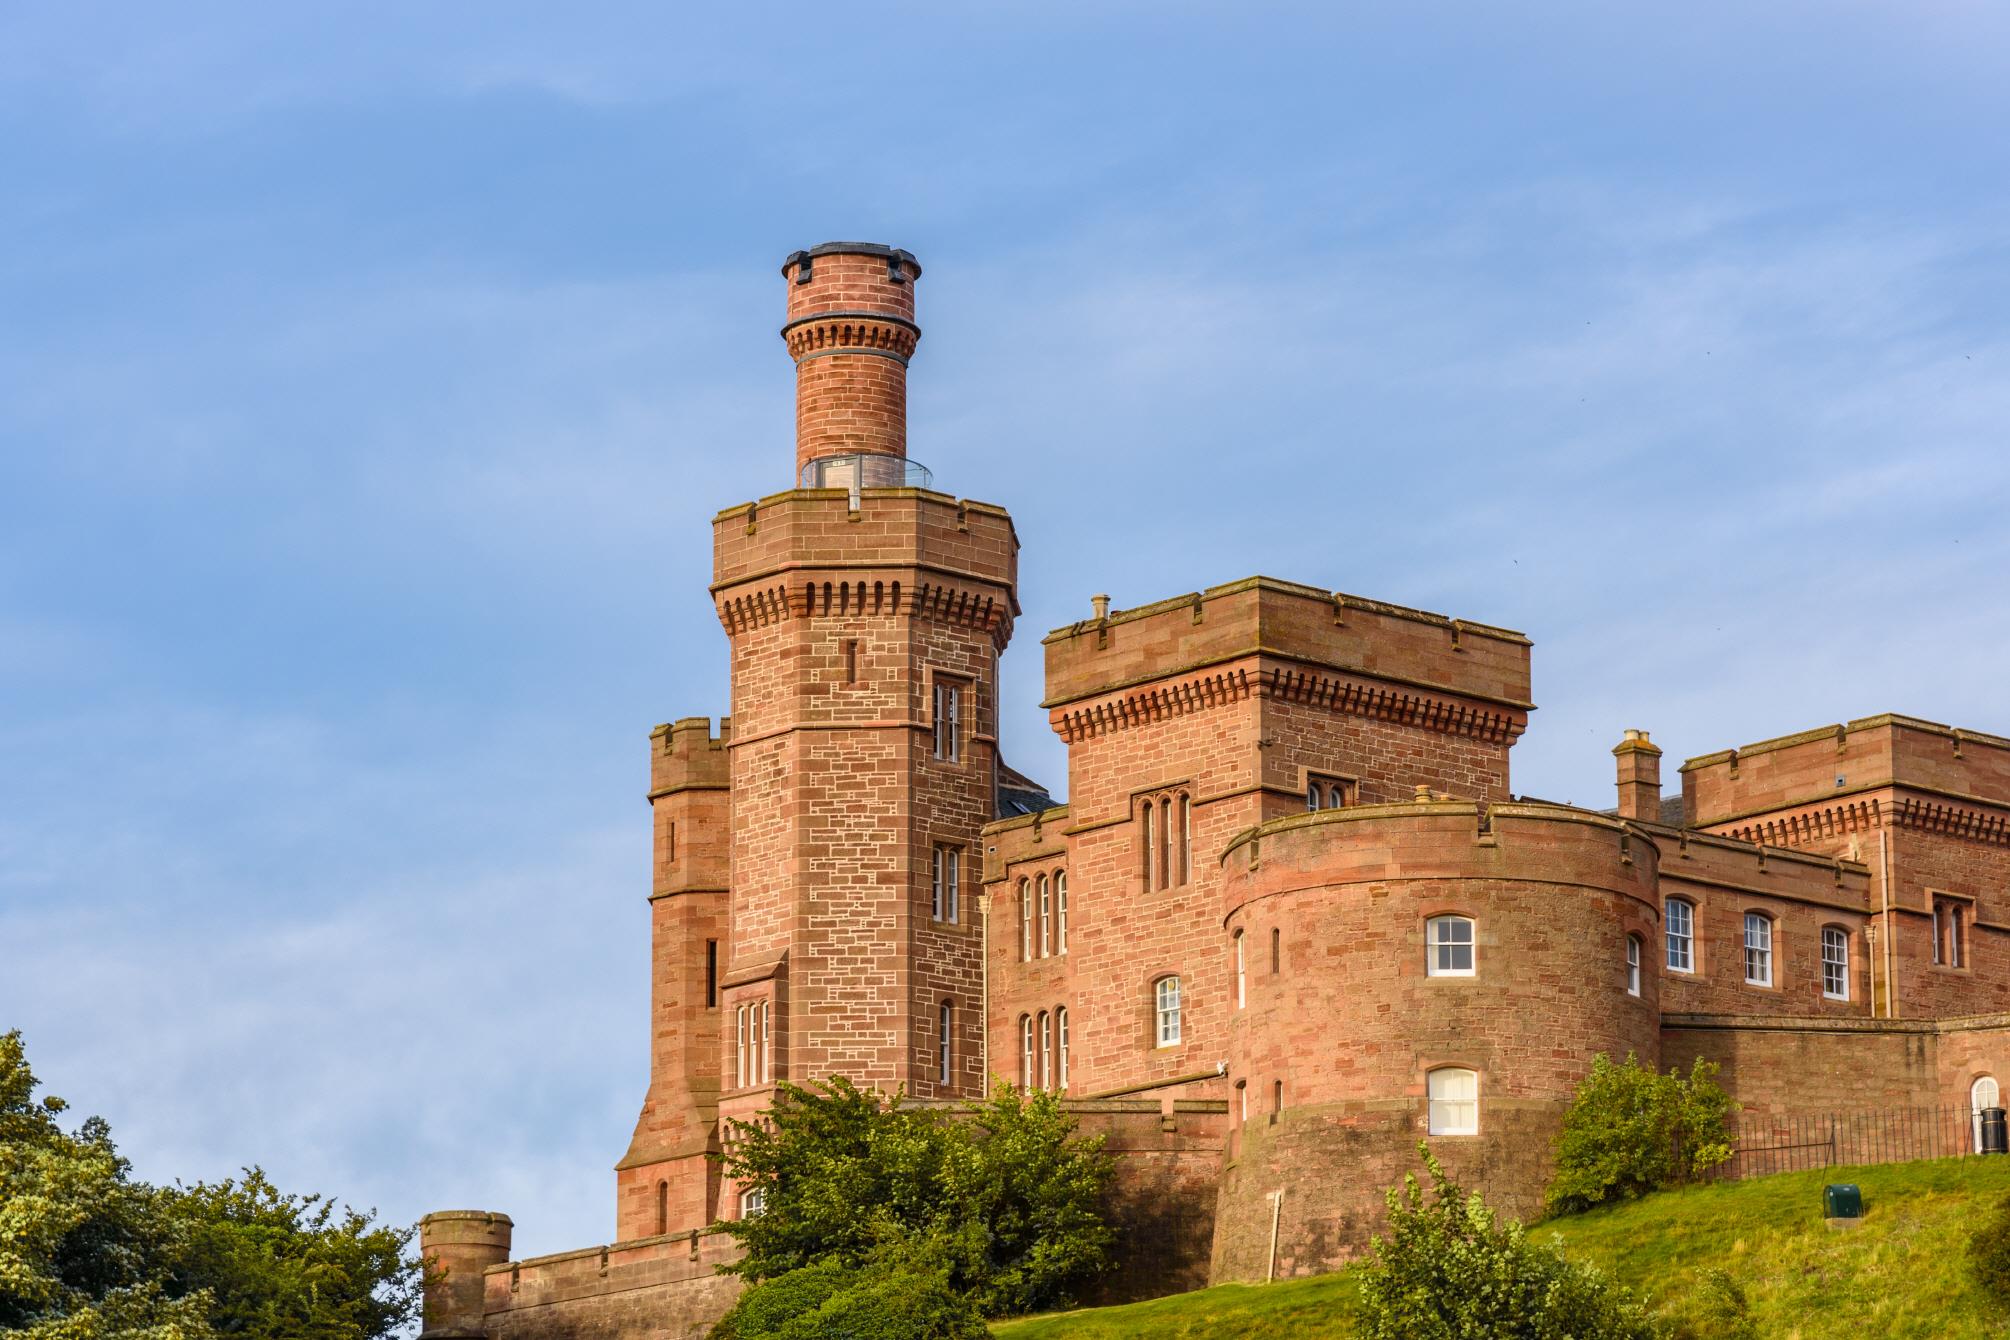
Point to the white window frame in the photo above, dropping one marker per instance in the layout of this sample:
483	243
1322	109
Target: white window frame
1632	965
1060	912
1978	1104
1448	1112
1026	1072
1169	1026
1147	839
1044	941
1025	920
947	726
1758	949
753	1201
1835	963
740	1051
1685	936
947	1022
946	879
1441	951
1046	1052
1061	1046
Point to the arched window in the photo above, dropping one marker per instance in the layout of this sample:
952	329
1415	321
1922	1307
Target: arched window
1315	795
1680	915
1046	1054
1449	947
752	1201
1165	841
1632	965
761	1040
1758	949
1146	839
1025	920
1983	1094
1061	912
1241	978
1276	951
740	1048
1185	838
1835	963
1061	1046
1026	1072
948	1018
1042	939
1165	997
1454	1101
662	1207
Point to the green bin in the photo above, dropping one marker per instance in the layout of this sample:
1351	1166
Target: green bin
1842	1200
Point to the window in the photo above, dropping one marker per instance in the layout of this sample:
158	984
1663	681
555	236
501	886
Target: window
1835	963
851	660
1276	1097
740	1049
662	1207
1939	949
1061	1045
1165	842
1276	951
1959	958
1061	912
1025	920
948	1017
1982	1095
752	1201
1681	918
948	720
1025	1051
1454	1102
1758	949
711	974
1046	1054
750	1052
1185	838
1327	793
670	842
1632	965
1241	979
1043	939
1450	947
1146	840
1166	999
1242	1100
943	898
761	1038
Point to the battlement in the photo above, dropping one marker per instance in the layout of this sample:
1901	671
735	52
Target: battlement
1844	760
686	754
1326	644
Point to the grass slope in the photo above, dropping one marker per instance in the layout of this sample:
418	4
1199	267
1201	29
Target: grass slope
1902	1273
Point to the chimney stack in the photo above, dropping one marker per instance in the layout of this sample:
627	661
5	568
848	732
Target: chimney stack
851	331
1639	777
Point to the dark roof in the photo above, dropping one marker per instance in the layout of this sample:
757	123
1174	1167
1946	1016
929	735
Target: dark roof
1019	794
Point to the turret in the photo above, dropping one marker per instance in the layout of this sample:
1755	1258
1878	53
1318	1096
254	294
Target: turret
851	331
457	1246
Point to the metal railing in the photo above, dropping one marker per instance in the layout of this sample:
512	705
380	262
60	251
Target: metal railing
865	470
1765	1143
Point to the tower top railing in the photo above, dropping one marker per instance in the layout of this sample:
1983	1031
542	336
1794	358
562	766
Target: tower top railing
865	470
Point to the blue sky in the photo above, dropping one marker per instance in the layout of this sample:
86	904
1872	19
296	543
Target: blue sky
369	375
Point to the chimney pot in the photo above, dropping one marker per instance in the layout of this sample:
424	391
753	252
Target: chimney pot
1101	605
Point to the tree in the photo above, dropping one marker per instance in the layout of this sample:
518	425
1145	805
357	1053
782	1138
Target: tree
1631	1130
1007	1198
89	1253
1450	1270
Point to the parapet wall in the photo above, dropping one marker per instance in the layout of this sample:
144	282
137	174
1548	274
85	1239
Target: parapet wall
662	1288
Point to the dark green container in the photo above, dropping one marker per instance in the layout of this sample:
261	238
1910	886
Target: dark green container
1842	1200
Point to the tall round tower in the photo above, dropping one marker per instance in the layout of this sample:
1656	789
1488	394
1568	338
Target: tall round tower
851	331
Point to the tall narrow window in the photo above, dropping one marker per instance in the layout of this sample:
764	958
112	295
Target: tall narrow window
1983	1094
1241	978
767	1056
711	974
1165	842
942	1046
1147	841
1315	795
1166	998
943	894
1835	963
1061	912
1959	958
1026	1051
1632	965
1185	838
1454	1102
1044	937
1276	951
1025	921
1758	949
1061	1045
662	1207
740	1048
1681	935
1276	1097
1242	1101
851	660
1046	1054
670	841
948	721
1939	948
1449	947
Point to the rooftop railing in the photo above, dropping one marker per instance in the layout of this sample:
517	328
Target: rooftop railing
865	470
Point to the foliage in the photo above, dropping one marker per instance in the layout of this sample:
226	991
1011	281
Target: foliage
1449	1270
89	1253
1718	1309
899	1294
1632	1130
1007	1198
1989	1251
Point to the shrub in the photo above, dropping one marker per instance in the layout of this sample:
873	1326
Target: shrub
1450	1270
1717	1309
898	1295
1632	1130
1989	1252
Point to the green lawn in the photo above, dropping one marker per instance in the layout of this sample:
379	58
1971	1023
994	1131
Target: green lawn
1902	1273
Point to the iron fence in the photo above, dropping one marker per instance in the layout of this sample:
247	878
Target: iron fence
1765	1143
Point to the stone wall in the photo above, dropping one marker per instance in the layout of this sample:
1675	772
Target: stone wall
661	1288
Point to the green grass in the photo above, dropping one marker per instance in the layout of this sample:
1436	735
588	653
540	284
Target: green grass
1902	1273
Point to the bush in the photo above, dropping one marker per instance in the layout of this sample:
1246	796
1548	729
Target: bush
1449	1270
895	1296
1007	1198
1632	1130
1989	1252
1717	1309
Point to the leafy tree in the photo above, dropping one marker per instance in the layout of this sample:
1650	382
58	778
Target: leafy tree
1007	1197
1449	1270
1632	1130
88	1253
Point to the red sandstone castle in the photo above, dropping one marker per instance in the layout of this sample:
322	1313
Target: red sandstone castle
1290	920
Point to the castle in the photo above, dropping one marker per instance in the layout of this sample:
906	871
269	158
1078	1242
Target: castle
1290	920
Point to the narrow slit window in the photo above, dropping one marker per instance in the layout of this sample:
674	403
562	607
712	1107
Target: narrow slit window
1185	838
851	660
1276	951
711	974
1043	941
1061	1045
1025	921
1046	1054
1165	842
943	1045
1025	1051
1147	840
1241	978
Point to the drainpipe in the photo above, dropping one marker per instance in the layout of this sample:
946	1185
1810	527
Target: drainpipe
983	983
1890	980
1276	1209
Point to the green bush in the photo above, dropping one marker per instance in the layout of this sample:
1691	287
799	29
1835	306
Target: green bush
1450	1270
1632	1130
1717	1309
1989	1252
1007	1198
896	1296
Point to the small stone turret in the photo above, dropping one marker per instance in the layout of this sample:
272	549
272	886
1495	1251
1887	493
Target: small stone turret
457	1245
851	331
1639	777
